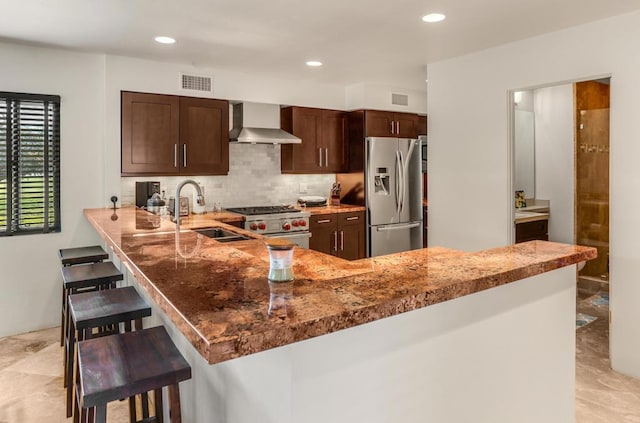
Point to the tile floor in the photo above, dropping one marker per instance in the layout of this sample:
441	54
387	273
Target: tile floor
602	395
31	379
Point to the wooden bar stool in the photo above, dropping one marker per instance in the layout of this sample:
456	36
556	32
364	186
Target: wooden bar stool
120	366
100	309
82	278
73	256
82	255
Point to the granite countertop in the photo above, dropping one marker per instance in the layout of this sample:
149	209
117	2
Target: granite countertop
524	217
342	208
218	295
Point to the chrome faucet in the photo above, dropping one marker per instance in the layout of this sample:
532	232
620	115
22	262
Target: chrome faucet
176	202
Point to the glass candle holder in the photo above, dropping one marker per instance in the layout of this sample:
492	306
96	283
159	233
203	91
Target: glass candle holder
280	260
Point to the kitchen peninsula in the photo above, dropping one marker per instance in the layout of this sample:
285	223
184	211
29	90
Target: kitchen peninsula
414	336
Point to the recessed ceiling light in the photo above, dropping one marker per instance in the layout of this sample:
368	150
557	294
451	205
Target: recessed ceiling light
165	40
314	63
433	17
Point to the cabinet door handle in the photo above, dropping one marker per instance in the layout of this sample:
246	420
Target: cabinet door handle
324	221
392	127
175	155
326	157
341	240
184	155
335	241
397	127
320	156
353	218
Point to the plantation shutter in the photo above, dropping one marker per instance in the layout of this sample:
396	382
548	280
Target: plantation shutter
29	163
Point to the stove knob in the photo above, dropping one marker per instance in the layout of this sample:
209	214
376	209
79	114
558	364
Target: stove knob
253	227
262	226
303	223
286	226
295	223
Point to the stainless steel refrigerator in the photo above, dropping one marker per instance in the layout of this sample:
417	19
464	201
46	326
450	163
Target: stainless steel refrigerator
393	195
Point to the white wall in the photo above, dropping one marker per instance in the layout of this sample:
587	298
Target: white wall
554	150
30	287
378	97
469	153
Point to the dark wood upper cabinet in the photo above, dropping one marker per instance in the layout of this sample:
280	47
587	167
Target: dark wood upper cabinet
376	123
204	136
323	134
334	136
422	125
390	124
150	132
170	135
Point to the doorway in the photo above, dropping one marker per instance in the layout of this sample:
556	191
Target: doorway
570	169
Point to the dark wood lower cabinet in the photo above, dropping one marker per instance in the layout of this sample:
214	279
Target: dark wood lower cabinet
323	228
351	235
338	234
530	231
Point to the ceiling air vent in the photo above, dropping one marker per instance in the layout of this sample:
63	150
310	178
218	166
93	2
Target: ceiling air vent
196	83
399	99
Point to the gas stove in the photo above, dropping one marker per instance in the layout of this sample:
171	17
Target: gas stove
257	210
274	220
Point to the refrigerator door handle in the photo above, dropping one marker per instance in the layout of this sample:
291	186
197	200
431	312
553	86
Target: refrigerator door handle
405	168
403	181
398	227
398	183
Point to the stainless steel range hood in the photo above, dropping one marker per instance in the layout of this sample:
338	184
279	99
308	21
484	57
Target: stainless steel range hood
259	123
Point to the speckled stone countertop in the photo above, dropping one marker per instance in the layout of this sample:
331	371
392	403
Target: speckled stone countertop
342	208
218	295
524	217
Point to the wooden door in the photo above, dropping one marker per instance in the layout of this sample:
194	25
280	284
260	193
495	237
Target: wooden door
351	235
149	134
204	136
334	140
406	125
323	229
422	125
378	124
306	124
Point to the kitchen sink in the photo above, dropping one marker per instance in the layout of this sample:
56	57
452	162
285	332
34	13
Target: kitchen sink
221	235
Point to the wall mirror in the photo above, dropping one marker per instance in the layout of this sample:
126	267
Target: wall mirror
524	144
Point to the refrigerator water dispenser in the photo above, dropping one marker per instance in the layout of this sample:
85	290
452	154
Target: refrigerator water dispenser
381	181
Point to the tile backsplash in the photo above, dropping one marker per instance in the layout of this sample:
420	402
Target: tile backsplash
254	179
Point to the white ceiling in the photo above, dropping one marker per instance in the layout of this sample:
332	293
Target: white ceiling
358	40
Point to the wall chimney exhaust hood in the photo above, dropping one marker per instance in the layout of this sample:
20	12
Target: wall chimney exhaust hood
259	123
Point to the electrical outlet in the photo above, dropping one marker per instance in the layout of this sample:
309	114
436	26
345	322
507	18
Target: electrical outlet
303	188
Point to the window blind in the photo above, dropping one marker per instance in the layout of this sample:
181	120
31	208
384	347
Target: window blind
29	163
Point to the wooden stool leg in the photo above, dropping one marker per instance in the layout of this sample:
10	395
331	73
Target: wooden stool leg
69	368
76	407
138	324
91	415
145	405
157	399
62	314
174	404
101	414
133	415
